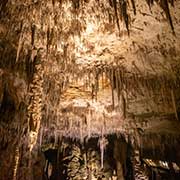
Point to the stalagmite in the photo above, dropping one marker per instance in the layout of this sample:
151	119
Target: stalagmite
16	163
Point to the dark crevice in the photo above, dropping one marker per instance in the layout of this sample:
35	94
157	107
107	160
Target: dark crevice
7	107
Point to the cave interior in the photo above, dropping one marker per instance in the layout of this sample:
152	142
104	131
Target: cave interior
89	89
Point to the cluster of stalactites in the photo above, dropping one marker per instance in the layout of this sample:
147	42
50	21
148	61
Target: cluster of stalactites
121	6
121	9
164	4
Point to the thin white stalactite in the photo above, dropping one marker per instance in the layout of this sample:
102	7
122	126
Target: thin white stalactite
102	156
112	85
117	85
102	146
89	124
81	130
96	83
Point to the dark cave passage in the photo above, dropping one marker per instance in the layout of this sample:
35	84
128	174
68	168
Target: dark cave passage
74	161
7	107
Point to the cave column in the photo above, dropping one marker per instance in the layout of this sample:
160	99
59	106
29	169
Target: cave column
35	103
34	116
35	106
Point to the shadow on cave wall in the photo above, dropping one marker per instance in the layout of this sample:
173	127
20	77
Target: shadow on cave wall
7	107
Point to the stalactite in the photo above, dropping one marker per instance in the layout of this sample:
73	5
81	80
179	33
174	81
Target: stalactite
106	73
89	80
102	78
120	79
102	156
117	83
165	6
134	6
20	43
92	91
96	82
174	104
116	14
89	117
48	38
163	98
112	85
123	105
124	14
81	130
55	138
102	143
33	29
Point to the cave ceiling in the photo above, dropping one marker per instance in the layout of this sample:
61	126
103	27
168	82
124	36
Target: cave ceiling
105	65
